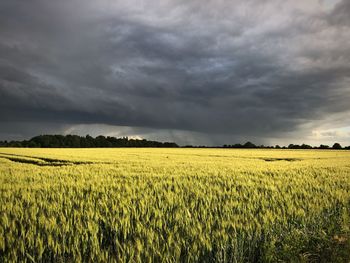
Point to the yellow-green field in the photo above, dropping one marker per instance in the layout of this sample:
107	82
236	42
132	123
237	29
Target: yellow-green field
174	205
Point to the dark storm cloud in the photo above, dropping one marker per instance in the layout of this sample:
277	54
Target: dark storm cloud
241	68
340	14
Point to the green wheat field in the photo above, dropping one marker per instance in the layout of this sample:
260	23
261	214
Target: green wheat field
174	205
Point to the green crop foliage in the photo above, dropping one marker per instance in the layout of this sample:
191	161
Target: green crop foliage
174	205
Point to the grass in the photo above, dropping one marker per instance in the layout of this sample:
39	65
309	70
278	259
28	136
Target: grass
170	205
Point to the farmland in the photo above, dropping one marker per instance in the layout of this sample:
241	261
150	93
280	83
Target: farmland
171	205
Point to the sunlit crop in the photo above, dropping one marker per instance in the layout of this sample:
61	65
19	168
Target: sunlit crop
171	205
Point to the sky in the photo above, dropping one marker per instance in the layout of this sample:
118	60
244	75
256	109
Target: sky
191	71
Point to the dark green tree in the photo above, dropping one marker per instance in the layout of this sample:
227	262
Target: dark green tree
336	146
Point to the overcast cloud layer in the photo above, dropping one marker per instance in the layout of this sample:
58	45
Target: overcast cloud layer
208	72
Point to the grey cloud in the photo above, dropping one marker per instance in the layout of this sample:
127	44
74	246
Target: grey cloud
340	14
252	69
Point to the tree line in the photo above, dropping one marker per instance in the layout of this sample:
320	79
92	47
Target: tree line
75	141
336	146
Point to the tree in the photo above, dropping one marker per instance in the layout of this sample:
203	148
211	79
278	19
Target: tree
336	146
305	146
322	146
249	145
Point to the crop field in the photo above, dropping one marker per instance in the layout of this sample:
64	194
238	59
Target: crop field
174	205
